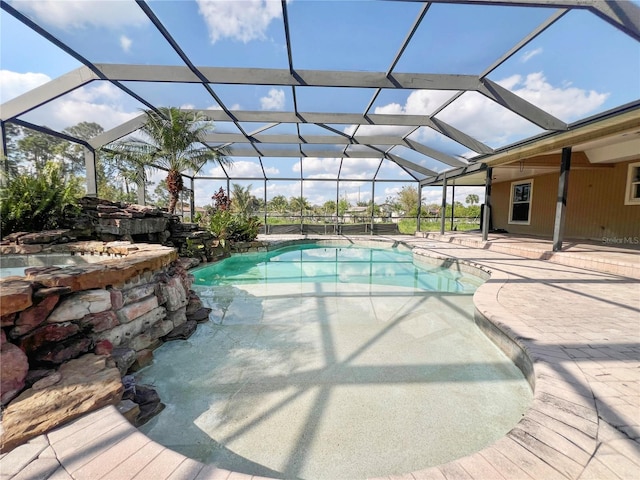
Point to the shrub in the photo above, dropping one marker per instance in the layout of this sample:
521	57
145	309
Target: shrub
228	226
39	202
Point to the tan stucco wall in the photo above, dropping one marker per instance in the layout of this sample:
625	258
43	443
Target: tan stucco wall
595	205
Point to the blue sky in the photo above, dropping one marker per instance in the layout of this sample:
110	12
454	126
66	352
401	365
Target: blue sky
578	67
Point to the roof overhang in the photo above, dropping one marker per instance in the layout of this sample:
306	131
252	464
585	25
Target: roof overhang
613	139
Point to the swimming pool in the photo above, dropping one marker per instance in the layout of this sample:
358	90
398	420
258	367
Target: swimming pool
333	362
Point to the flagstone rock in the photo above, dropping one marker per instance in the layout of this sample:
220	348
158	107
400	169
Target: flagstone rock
200	316
50	333
16	295
124	333
86	384
79	304
173	294
13	371
183	331
144	358
64	351
130	312
99	322
47	381
177	317
30	318
48	292
124	358
8	320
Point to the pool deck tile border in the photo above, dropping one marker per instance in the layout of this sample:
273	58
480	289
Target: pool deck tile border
583	348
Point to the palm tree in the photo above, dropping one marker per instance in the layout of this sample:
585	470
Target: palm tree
299	204
174	141
472	199
242	201
279	203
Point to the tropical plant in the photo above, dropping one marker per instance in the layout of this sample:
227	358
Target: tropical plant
226	225
220	200
174	141
39	202
279	204
242	201
472	199
299	204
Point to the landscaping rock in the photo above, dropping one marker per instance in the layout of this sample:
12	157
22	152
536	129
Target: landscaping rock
182	332
103	347
80	304
144	358
201	315
129	410
16	295
50	333
33	316
63	351
124	357
86	384
135	310
13	371
99	322
177	317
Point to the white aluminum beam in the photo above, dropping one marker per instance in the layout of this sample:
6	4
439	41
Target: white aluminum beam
282	77
520	106
45	93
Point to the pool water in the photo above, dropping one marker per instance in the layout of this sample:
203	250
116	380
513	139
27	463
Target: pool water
346	376
326	265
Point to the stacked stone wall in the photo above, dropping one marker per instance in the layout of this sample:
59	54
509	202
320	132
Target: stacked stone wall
105	318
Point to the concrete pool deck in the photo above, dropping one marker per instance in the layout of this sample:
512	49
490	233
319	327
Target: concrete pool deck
579	327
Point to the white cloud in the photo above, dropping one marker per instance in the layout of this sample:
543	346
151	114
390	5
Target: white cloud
242	168
125	43
490	123
82	13
274	100
529	54
244	21
566	102
419	102
98	102
319	167
13	84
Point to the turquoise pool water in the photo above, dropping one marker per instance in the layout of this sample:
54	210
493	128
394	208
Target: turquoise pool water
333	363
339	264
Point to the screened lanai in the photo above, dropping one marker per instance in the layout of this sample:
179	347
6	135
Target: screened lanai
324	100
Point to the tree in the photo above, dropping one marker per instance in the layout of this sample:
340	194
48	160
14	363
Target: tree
408	200
299	204
37	148
472	199
279	204
71	153
173	140
242	201
161	194
343	206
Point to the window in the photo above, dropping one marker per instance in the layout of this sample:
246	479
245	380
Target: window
632	195
520	203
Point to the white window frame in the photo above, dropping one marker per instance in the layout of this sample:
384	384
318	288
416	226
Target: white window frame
530	202
633	183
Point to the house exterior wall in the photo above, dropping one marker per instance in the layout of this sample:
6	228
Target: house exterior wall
595	206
